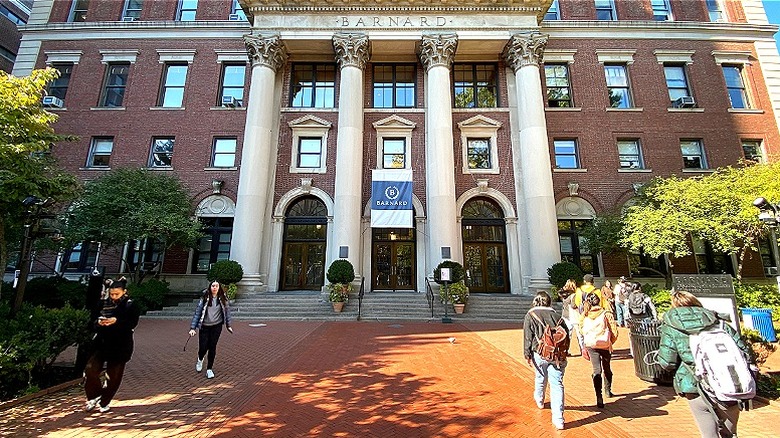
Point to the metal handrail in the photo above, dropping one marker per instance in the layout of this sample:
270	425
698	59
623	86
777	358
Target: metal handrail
429	294
360	296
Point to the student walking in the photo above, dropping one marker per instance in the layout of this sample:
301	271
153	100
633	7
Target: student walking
620	292
609	296
213	311
639	305
113	345
547	371
599	333
688	317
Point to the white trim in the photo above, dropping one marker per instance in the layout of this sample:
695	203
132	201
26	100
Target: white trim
574	207
176	55
674	56
309	126
480	126
231	56
57	56
216	206
622	56
558	56
731	57
394	127
119	56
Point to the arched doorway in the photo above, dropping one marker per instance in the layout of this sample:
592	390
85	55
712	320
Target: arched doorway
484	246
305	236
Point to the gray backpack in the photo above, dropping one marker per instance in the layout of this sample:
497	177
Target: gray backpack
637	307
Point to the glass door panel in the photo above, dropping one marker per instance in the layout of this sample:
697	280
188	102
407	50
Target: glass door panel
404	266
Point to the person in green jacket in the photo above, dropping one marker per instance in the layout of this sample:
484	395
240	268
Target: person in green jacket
687	317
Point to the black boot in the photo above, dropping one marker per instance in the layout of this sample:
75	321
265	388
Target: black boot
608	384
597	388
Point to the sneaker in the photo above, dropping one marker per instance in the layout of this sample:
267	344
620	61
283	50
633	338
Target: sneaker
199	365
91	404
540	404
209	374
105	408
558	425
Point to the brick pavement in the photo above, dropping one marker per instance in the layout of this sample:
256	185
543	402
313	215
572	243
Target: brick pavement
367	379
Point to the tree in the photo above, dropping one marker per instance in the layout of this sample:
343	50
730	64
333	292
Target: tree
134	204
26	167
717	208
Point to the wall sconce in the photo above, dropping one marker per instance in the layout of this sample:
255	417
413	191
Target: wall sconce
393	236
216	186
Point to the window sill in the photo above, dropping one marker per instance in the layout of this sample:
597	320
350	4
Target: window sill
480	110
94	168
108	108
563	109
161	169
308	170
394	110
481	171
55	109
167	108
745	111
309	110
227	108
685	110
220	168
577	170
698	170
625	110
635	170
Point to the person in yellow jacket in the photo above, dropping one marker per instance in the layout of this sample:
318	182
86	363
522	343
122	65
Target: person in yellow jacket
584	290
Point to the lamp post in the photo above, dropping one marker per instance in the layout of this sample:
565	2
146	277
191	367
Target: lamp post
32	230
769	214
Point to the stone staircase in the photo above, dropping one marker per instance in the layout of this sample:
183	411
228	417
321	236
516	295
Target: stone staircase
376	306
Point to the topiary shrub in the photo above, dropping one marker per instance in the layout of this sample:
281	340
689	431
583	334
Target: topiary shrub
341	271
226	272
55	292
148	295
558	273
456	271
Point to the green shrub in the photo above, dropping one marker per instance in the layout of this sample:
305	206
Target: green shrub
662	298
231	291
456	271
768	386
458	293
341	271
31	341
55	292
763	296
560	272
148	295
226	272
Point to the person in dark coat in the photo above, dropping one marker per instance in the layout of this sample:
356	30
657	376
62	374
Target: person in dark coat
213	311
113	345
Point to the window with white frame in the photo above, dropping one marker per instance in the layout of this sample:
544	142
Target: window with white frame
78	11
558	85
478	153
605	10
132	10
693	154
479	137
394	153
309	144
309	152
59	86
630	154
553	13
735	85
224	154
662	11
618	87
100	152
676	81
566	154
715	9
233	75
752	150
186	10
162	152
172	90
114	85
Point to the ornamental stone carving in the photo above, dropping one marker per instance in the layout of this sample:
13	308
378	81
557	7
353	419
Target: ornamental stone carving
267	50
351	49
525	48
438	50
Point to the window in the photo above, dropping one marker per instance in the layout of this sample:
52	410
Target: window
693	154
393	153
676	82
553	13
100	151
394	86
735	86
233	82
224	152
566	154
478	153
715	10
617	86
310	152
605	10
80	258
475	85
115	83
765	248
235	9
132	10
215	245
558	86
59	87
15	19
630	154
148	252
661	10
187	9
574	248
313	85
642	264
78	11
752	150
710	261
162	152
172	92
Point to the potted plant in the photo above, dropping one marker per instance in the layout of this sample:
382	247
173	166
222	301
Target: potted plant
227	273
340	275
456	281
459	295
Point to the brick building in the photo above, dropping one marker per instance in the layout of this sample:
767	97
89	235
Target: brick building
518	121
13	13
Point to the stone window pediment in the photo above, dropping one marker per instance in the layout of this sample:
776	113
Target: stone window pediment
394	122
216	206
482	130
309	127
479	122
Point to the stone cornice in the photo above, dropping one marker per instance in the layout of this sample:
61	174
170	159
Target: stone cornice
352	49
438	50
525	48
266	50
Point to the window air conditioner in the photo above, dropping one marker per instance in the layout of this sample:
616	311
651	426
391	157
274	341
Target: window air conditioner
128	18
684	102
234	17
770	271
52	102
229	101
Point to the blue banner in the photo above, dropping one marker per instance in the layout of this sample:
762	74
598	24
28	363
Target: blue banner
391	199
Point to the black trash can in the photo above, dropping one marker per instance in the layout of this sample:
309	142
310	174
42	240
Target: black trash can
646	337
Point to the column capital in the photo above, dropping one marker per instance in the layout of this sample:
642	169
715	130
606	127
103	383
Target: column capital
267	50
352	49
525	48
438	49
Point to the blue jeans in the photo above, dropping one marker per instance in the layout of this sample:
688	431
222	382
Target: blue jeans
620	310
546	371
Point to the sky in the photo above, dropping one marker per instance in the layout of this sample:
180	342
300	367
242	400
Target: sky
772	8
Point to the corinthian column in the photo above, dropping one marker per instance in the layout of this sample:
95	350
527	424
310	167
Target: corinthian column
352	55
436	55
533	173
267	55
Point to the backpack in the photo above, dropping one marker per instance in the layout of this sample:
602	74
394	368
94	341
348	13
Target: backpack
720	367
623	293
553	345
596	333
637	308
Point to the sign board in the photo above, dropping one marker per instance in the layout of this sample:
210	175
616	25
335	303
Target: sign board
716	292
445	275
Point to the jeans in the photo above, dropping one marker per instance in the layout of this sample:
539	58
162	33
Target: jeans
620	314
94	387
207	342
546	371
708	423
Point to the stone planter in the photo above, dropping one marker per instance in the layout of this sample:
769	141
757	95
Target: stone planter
338	306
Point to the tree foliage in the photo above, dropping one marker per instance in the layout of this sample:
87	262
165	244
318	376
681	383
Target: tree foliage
26	167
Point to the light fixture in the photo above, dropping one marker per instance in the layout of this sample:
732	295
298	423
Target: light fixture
768	214
393	236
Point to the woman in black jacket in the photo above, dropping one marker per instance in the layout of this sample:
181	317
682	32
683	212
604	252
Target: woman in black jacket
113	345
213	311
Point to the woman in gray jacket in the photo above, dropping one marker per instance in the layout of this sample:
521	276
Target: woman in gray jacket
212	312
